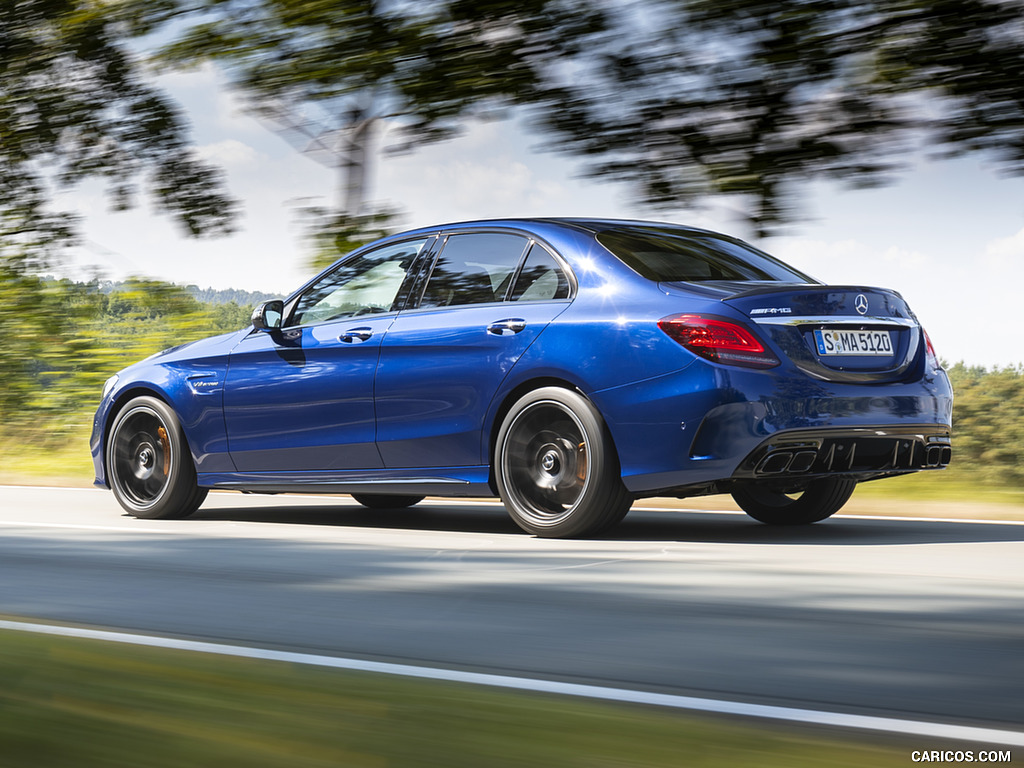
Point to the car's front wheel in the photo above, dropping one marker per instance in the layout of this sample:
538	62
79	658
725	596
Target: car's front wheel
773	505
150	467
556	467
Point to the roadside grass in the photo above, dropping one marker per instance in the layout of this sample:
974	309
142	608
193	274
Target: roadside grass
41	458
953	484
84	703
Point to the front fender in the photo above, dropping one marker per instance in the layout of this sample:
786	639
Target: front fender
192	386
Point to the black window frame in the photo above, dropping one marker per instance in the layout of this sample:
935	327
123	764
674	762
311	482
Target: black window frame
415	298
401	297
559	264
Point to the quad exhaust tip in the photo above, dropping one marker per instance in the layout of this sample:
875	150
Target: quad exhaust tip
838	458
938	455
787	461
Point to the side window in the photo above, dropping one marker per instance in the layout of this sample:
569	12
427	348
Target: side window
541	278
365	285
474	268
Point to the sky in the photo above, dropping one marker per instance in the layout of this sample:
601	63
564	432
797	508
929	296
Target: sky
949	235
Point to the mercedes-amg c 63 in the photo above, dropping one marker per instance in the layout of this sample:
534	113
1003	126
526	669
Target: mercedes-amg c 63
569	366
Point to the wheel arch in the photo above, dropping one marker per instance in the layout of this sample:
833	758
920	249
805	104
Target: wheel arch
512	396
120	401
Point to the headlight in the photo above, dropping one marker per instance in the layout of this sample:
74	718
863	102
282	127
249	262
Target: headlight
108	385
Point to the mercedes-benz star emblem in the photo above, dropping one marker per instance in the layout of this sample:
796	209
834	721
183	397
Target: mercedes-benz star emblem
861	303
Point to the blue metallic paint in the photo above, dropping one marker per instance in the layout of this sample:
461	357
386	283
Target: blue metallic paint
302	399
173	376
433	419
415	408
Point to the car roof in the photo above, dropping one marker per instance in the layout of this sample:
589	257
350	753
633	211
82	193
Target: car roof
586	224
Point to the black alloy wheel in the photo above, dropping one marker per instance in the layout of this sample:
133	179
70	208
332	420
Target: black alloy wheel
556	467
150	468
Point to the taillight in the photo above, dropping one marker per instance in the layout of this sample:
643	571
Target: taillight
931	358
721	341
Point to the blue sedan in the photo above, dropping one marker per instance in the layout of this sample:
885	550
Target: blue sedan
569	366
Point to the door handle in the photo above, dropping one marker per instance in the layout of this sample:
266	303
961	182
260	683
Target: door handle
356	335
507	327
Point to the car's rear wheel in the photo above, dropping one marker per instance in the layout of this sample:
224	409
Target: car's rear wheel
150	467
386	501
556	467
780	506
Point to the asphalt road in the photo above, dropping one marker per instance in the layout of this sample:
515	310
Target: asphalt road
918	619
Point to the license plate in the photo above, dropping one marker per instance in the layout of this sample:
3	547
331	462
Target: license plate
850	343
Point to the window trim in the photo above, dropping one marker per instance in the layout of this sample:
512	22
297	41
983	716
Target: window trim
559	262
429	242
445	237
416	295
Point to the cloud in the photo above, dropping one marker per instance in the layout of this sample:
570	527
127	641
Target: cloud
851	261
489	171
904	257
1002	251
831	261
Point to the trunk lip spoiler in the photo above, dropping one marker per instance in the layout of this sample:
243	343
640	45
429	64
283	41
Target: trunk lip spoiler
763	290
832	320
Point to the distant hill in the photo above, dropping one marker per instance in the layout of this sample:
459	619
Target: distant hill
227	295
205	295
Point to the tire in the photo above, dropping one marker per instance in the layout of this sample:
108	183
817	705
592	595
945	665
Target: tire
556	467
386	501
819	500
149	465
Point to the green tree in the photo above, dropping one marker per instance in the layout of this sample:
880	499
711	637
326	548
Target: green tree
75	104
63	339
988	423
679	98
39	321
753	98
334	76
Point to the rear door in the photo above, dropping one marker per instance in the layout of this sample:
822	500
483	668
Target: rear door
488	297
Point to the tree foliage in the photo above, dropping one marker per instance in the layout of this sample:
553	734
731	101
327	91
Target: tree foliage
753	97
335	76
74	104
63	339
988	423
679	98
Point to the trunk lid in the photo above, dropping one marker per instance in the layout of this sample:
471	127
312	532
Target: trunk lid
834	332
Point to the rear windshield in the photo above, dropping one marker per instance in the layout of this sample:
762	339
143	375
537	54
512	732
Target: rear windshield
684	256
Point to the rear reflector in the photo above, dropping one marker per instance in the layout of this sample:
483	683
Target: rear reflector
718	340
932	358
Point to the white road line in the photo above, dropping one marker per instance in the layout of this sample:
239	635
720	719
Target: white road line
990	736
78	527
54	488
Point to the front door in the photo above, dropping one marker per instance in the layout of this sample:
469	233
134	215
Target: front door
301	398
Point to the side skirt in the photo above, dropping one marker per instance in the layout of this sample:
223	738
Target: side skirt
430	481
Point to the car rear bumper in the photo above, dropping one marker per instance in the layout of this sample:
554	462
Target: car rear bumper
860	452
706	425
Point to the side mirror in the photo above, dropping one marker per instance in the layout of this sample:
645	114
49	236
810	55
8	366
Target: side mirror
267	316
